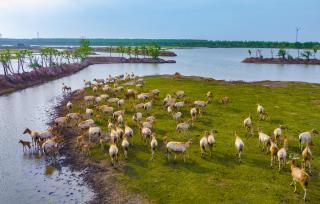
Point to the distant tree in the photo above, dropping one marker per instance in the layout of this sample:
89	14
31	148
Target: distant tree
43	56
271	53
136	51
129	51
33	60
122	50
282	53
118	49
154	51
306	54
54	56
148	51
315	50
21	57
67	55
260	53
31	57
5	60
143	50
34	64
83	51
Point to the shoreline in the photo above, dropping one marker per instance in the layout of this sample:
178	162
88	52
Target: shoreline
256	60
46	74
99	175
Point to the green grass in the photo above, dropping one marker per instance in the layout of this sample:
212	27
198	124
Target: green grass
221	178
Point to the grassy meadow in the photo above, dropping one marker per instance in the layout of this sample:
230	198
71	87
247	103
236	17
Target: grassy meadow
220	178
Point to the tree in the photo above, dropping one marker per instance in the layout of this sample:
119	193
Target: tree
136	51
154	51
76	55
43	56
34	64
84	50
54	56
29	55
314	53
143	50
5	59
129	49
21	57
282	53
306	54
259	53
148	51
33	60
67	55
121	50
271	53
110	50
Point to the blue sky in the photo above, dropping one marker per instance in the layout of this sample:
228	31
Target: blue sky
195	19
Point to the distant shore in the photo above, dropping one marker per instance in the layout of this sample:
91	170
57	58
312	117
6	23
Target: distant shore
163	53
281	61
162	42
42	75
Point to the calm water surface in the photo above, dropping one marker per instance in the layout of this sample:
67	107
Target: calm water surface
25	178
225	63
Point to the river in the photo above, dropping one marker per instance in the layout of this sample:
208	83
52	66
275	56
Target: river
25	178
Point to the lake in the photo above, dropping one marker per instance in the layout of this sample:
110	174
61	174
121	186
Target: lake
225	63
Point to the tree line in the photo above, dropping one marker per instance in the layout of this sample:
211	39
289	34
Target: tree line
153	51
285	54
163	42
46	57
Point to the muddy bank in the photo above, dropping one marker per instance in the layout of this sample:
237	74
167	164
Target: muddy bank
281	61
98	175
41	75
167	54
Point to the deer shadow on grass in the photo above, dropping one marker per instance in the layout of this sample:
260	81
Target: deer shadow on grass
130	171
189	165
228	160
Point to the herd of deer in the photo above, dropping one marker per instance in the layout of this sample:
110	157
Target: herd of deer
97	106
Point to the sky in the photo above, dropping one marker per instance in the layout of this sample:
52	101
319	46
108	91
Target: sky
269	20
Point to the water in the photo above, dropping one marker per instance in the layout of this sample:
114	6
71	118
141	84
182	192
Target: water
23	177
225	63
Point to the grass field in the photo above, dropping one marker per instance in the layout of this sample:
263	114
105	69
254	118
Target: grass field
221	178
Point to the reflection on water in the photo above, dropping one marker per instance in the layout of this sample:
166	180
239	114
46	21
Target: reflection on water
28	178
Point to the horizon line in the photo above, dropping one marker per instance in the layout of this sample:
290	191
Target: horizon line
188	39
